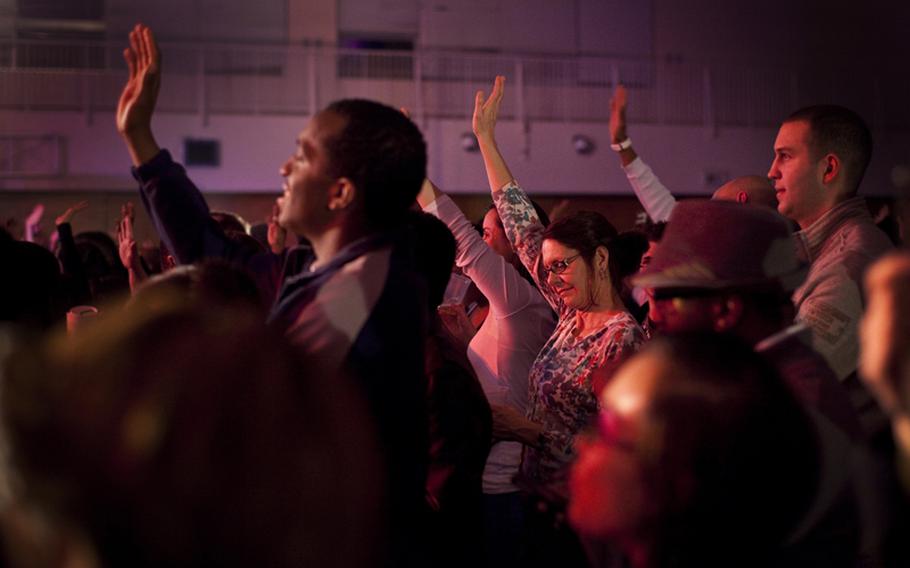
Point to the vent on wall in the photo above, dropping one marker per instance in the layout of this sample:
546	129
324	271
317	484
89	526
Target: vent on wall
197	152
32	156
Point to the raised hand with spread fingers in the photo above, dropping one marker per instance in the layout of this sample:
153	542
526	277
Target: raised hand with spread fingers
618	126
486	112
129	252
140	94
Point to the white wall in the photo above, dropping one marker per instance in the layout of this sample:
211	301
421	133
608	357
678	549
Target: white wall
776	32
252	149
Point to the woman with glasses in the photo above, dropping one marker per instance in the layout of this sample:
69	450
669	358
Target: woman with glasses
579	264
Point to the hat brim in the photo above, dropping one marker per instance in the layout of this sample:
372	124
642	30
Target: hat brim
788	282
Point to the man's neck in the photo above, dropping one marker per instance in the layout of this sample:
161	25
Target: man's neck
327	244
808	220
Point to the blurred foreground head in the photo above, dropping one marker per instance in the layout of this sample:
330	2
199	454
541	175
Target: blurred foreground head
180	436
686	467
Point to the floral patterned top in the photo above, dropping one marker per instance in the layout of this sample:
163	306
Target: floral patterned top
561	394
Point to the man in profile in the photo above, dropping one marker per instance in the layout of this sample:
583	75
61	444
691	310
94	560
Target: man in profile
355	306
820	156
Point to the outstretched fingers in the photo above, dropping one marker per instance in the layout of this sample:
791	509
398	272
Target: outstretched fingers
130	57
151	48
141	46
491	105
136	46
618	101
498	88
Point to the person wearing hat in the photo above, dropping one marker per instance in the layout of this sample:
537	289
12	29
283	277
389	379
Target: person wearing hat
724	267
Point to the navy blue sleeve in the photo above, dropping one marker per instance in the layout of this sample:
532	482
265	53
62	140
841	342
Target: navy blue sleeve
181	216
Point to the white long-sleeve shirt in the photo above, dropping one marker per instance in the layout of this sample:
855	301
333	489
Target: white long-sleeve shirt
505	346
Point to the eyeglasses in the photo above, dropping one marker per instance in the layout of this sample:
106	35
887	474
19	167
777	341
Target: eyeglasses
560	266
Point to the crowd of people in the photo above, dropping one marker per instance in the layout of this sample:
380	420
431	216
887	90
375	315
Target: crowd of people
726	385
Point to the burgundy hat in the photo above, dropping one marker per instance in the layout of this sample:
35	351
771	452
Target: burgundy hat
721	244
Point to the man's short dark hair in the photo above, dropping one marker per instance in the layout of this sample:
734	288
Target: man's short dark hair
840	131
383	153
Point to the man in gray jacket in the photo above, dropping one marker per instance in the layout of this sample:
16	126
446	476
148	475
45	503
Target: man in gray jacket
820	155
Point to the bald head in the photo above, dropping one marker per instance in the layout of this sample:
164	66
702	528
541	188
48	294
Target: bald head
755	190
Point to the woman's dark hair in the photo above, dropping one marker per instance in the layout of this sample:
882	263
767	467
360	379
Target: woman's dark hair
585	231
734	466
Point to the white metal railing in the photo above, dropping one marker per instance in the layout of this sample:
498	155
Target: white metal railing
208	79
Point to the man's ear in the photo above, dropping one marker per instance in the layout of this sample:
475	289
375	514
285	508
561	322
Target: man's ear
342	194
833	166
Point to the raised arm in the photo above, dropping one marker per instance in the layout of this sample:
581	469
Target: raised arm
486	110
519	219
176	206
494	276
653	195
71	262
618	124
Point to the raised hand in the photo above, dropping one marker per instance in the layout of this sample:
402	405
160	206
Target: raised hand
486	109
125	241
618	114
33	223
70	212
137	101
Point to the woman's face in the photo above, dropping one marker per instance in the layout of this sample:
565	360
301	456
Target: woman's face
568	274
495	236
608	492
